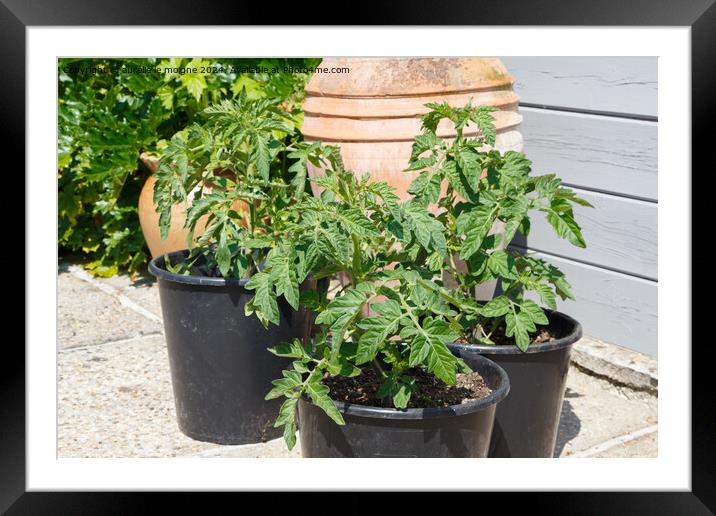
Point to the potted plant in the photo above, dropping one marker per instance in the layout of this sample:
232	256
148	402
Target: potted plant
236	172
485	187
378	379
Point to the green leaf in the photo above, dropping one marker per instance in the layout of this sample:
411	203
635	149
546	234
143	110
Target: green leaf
318	393
479	223
513	211
442	363
194	82
534	311
264	300
546	295
341	312
300	171
285	386
401	397
519	325
333	243
223	255
563	288
293	349
377	329
437	112
435	261
502	264
343	367
421	163
353	220
428	231
417	187
496	307
283	275
398	389
390	200
566	193
546	185
432	191
470	167
289	435
516	165
260	155
166	96
559	215
422	143
287	412
452	174
428	347
485	122
251	87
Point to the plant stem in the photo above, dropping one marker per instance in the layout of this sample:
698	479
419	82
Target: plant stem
457	277
252	218
377	368
495	323
356	272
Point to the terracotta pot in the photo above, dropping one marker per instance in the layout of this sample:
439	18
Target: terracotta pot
373	113
149	218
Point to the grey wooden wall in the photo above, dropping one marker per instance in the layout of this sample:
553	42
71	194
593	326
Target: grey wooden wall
593	122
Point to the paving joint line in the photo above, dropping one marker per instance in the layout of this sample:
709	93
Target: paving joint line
611	443
81	274
108	342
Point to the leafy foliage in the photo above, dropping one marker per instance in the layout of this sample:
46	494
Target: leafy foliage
484	186
230	169
391	315
111	110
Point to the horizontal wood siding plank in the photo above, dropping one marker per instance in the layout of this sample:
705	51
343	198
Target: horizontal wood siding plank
613	307
621	235
594	152
618	85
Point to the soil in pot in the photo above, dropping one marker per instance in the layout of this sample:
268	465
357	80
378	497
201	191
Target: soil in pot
219	364
526	423
458	430
543	334
429	392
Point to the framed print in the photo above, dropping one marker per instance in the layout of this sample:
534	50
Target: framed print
393	242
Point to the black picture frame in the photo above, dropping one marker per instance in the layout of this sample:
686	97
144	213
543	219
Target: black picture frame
700	15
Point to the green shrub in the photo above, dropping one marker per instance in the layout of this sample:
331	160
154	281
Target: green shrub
111	110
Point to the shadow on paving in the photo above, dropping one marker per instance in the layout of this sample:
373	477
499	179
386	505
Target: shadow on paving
569	423
142	277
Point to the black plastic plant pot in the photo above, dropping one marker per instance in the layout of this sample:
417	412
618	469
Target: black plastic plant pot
455	431
526	423
219	364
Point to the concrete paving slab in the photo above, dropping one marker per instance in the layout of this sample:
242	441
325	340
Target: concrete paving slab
593	413
88	316
637	371
142	289
115	400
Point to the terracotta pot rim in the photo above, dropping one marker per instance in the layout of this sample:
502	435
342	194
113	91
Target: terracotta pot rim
485	86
